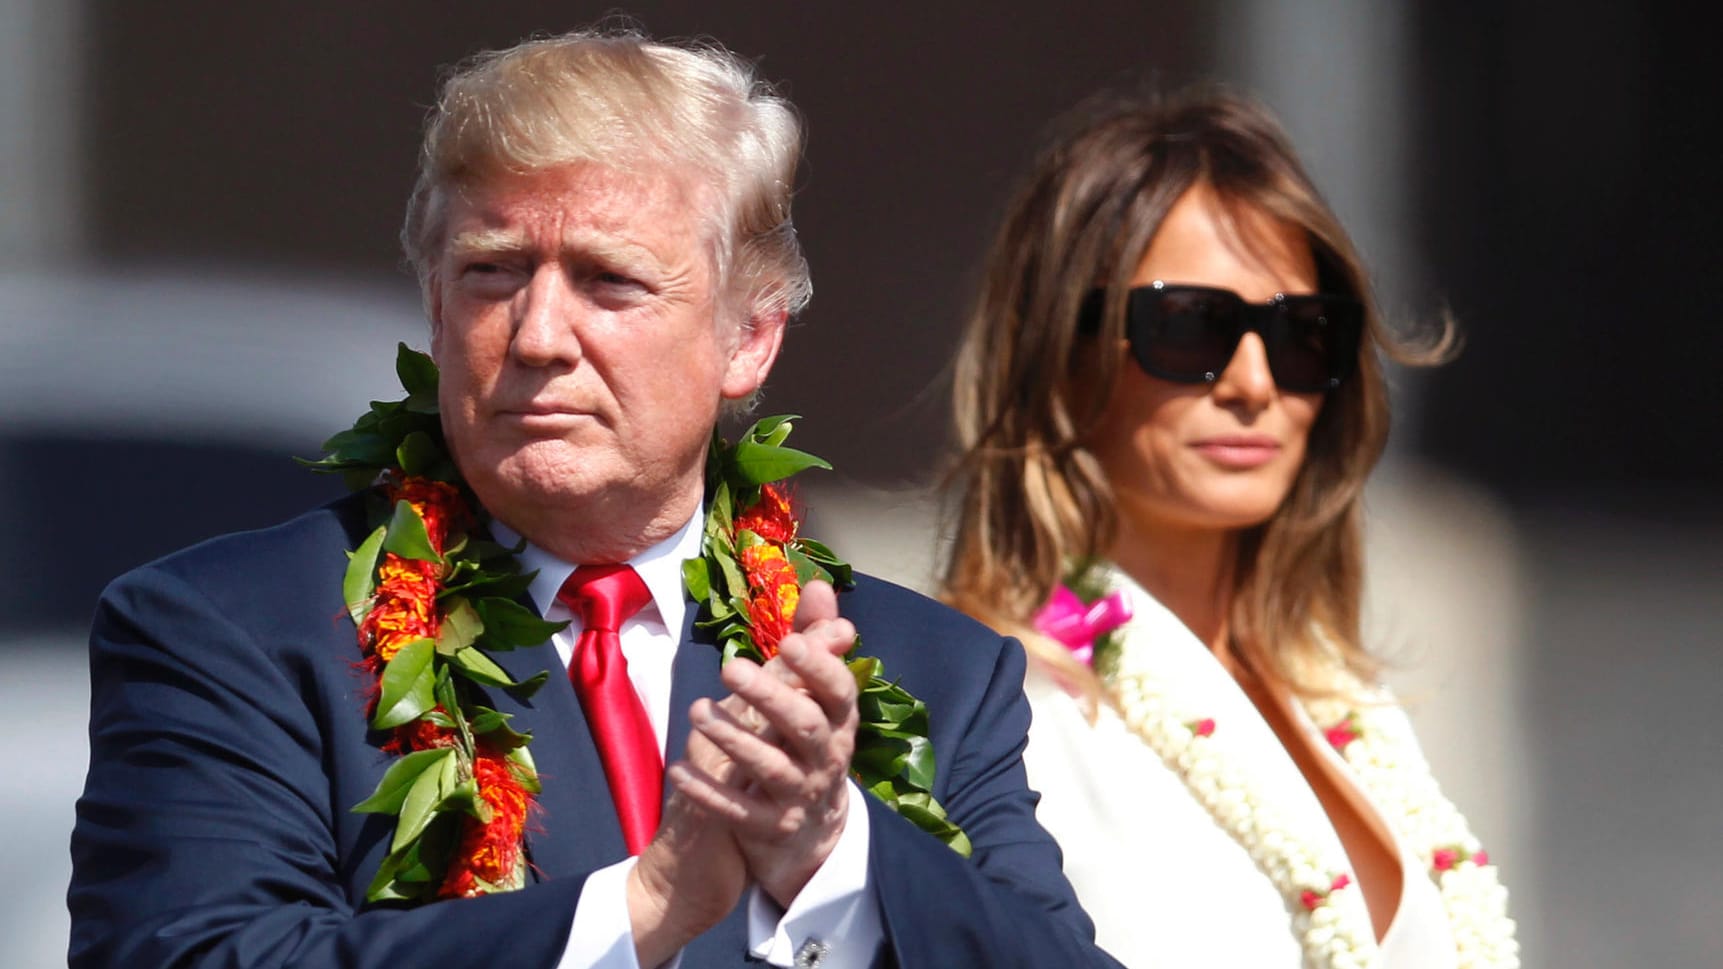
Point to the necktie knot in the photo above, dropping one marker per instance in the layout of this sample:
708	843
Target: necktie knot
604	596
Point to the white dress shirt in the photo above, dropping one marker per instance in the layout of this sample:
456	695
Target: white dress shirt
835	911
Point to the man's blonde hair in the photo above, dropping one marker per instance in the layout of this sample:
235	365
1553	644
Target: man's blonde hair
615	98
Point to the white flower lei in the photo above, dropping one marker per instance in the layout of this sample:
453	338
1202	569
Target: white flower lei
1381	751
1332	924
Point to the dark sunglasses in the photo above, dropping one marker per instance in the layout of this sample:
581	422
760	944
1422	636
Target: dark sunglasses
1188	334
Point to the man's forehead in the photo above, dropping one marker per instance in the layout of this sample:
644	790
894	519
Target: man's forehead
583	200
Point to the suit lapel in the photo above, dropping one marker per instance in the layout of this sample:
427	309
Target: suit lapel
694	674
575	829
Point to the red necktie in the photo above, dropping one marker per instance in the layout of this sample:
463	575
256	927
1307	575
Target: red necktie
605	596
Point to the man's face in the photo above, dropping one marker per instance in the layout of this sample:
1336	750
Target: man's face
577	322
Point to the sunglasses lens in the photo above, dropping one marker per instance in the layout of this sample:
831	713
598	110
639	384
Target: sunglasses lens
1185	335
1313	342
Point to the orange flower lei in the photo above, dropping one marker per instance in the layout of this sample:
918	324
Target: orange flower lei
430	601
404	609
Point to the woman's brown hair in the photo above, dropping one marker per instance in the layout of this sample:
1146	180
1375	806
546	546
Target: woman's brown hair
1030	388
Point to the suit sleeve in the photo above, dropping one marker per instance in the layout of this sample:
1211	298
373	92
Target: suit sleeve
1009	904
206	835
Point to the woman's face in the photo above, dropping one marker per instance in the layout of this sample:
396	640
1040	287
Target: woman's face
1213	456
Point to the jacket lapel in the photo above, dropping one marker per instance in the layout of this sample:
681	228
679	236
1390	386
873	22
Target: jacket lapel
694	674
574	829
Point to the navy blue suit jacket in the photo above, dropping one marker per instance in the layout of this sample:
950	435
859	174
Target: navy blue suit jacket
228	740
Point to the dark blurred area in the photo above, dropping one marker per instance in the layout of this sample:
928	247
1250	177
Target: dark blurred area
199	278
135	500
1569	195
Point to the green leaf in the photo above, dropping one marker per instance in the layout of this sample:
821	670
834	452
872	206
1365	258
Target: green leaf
864	668
806	568
721	518
840	573
918	766
481	668
696	578
427	791
357	448
387	885
887	712
773	431
407	536
485	719
770	430
756	464
525	770
735	584
361	578
509	624
527	687
465	798
461	626
408	685
417	454
886	791
927	814
392	789
737	644
506	738
450	701
720	609
502	585
416	370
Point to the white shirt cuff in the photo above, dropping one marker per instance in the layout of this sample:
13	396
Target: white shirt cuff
835	916
602	936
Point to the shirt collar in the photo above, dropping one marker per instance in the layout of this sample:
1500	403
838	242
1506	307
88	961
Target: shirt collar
659	567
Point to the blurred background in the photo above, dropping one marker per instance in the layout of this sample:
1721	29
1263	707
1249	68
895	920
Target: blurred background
199	279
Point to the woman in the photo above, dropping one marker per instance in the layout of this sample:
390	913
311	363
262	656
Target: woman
1168	399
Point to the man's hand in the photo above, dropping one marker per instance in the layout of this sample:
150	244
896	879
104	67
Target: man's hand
787	732
688	878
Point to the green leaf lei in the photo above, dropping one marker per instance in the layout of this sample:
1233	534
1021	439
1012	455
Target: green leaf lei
893	759
431	602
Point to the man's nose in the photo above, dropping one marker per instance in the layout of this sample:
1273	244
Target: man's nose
1247	380
546	315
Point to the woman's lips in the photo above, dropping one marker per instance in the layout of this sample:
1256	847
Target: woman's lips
1239	451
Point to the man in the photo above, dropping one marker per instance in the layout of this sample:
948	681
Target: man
601	230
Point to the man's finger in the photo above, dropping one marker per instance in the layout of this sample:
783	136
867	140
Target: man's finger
816	660
800	717
818	601
708	795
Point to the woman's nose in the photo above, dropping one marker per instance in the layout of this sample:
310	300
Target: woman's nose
1247	379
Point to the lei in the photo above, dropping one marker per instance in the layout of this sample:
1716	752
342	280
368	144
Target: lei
431	599
1332	925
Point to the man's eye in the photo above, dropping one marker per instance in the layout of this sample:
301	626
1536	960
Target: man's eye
615	279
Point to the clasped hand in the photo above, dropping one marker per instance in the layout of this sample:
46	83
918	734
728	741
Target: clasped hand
761	792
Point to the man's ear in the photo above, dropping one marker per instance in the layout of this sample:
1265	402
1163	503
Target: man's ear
757	345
